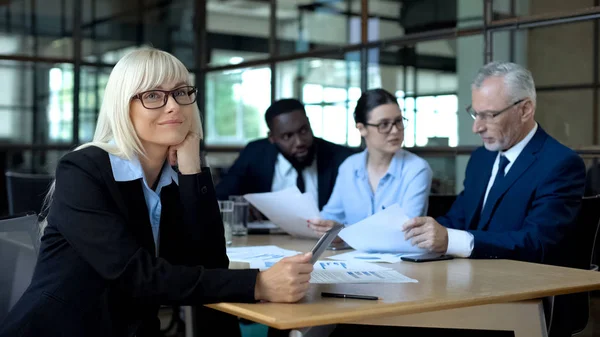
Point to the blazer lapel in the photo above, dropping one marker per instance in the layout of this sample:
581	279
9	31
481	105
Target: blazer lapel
129	197
114	190
324	172
523	162
481	187
267	171
138	218
171	221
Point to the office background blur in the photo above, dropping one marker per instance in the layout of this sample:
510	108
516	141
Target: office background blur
56	56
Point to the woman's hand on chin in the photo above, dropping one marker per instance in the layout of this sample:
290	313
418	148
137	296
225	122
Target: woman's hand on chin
186	155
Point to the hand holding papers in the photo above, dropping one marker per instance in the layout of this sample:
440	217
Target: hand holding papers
265	256
324	272
381	232
289	209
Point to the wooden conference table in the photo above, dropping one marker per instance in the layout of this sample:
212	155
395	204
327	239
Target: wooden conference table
460	293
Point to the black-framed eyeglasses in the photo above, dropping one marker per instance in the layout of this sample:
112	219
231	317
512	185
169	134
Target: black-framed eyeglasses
155	99
489	115
386	126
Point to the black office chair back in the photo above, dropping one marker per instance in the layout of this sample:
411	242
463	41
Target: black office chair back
19	247
440	204
26	191
570	313
586	232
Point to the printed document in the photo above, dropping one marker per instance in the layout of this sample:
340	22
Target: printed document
369	257
366	276
347	266
261	257
288	209
381	233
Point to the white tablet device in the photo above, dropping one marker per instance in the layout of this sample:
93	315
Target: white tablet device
325	241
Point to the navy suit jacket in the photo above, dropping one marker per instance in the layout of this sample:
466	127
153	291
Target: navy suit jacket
98	273
532	213
253	170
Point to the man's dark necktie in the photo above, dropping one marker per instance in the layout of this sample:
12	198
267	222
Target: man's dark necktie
497	181
300	180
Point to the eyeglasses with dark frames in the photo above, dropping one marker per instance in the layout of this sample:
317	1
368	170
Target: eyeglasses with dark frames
489	115
156	99
386	125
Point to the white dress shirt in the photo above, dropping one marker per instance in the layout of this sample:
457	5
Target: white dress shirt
460	242
285	177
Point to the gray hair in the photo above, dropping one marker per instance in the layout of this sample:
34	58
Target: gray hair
518	81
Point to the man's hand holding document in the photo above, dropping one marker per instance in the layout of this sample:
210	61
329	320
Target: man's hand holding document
381	233
289	209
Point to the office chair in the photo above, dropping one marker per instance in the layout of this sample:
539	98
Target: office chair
26	191
440	204
581	246
19	246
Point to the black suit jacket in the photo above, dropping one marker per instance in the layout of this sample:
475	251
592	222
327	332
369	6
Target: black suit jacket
253	170
98	274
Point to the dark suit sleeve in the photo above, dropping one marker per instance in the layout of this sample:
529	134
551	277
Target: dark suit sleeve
204	244
86	215
455	218
232	183
553	210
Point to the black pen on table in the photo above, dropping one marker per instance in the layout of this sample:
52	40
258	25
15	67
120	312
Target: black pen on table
350	296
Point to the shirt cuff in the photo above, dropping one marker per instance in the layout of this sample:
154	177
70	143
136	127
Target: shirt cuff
460	243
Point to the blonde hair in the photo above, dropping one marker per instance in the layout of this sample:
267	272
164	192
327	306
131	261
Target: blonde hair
140	70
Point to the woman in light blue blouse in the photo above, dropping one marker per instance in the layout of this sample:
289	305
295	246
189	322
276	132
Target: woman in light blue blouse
380	176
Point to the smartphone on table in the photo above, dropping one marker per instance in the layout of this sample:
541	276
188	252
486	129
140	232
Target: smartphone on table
428	257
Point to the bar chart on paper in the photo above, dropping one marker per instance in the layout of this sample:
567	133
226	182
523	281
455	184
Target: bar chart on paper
261	257
326	272
347	266
357	276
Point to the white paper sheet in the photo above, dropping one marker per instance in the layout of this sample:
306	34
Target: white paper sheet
369	257
261	225
289	209
381	232
348	265
261	257
384	276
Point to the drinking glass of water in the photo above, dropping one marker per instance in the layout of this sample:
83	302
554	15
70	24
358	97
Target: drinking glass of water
226	208
241	212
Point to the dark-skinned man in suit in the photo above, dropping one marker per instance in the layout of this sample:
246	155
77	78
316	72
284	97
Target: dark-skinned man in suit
274	163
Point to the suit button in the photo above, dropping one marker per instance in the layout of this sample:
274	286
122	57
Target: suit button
204	189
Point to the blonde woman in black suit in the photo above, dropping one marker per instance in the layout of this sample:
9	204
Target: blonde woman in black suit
127	232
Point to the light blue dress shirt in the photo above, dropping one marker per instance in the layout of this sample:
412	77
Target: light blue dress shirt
407	183
128	170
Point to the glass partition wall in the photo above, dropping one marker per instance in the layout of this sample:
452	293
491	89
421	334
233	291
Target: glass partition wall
56	56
